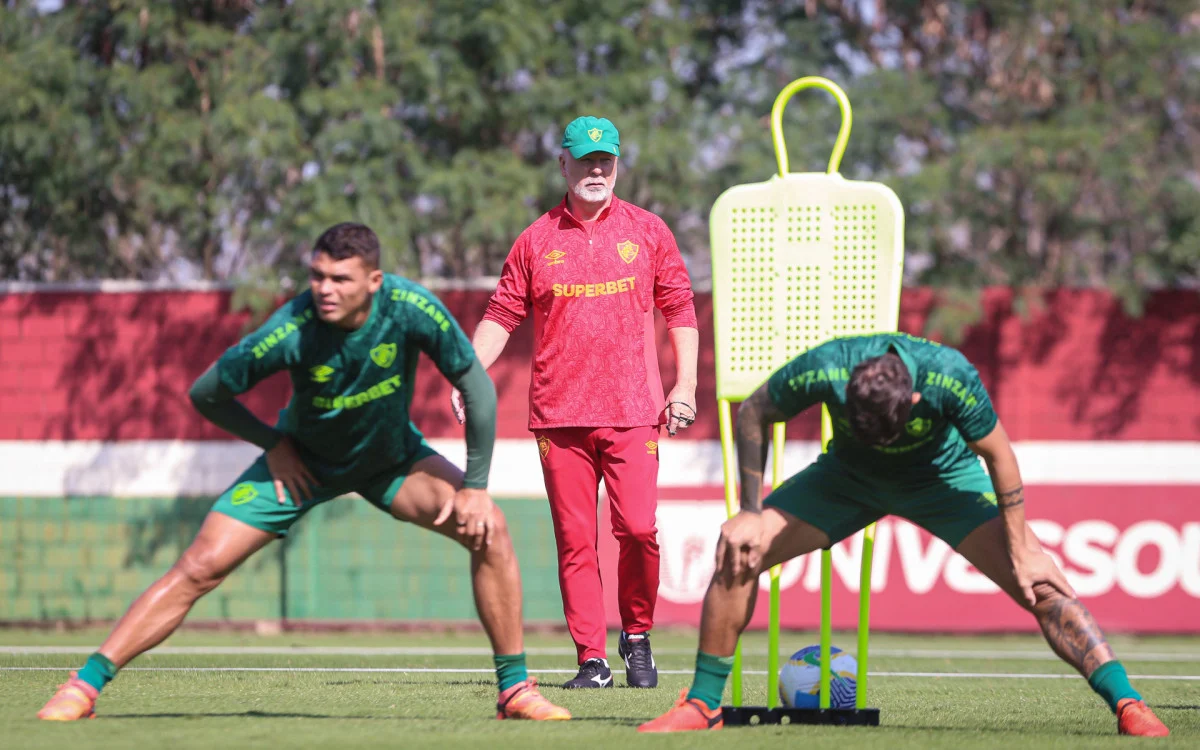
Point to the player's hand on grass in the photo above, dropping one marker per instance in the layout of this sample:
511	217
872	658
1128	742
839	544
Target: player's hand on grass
739	549
289	471
1033	567
681	408
472	511
456	405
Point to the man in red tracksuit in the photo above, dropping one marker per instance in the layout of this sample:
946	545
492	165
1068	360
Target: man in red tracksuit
593	269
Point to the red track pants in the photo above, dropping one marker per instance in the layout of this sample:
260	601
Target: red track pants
573	461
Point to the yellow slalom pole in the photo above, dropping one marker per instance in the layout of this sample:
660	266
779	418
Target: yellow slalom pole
780	434
826	628
729	466
864	615
826	586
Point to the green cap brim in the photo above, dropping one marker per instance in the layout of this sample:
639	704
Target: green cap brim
584	149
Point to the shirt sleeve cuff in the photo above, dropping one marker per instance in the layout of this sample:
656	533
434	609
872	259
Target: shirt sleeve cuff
683	317
503	318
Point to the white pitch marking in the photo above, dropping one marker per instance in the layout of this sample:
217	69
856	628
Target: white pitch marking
1046	655
430	670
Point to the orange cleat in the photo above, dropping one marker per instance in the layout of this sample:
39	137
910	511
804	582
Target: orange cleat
75	699
523	701
1136	719
686	716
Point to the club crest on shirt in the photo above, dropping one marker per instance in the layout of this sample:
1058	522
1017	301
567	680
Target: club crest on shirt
543	446
627	250
652	447
384	355
321	373
918	427
555	257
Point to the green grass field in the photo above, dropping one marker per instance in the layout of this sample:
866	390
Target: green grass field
231	690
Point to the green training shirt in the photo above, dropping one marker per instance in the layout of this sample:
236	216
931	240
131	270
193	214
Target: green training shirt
954	408
351	390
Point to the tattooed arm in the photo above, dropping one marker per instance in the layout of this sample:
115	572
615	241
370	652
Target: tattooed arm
1068	626
752	435
739	548
790	390
1030	564
996	451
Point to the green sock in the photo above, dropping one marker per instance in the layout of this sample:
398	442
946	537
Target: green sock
98	671
711	673
1112	684
510	670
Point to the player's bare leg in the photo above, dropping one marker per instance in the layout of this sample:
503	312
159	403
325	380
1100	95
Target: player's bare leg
495	575
222	544
495	580
728	606
1068	627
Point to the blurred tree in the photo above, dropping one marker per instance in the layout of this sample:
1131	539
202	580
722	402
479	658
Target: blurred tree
1040	143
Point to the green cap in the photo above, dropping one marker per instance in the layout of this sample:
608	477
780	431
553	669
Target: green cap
586	135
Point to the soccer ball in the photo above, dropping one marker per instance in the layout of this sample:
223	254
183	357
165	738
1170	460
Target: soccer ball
800	679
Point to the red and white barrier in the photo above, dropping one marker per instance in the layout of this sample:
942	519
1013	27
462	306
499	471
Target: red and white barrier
1132	553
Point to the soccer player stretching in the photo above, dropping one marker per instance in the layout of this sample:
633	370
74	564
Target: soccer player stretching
909	418
592	270
350	345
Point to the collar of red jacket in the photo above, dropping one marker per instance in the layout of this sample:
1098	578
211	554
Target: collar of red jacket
561	210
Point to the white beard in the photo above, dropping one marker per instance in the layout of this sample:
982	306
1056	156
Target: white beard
591	195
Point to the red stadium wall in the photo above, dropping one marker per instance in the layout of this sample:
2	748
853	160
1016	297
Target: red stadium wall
88	366
1105	410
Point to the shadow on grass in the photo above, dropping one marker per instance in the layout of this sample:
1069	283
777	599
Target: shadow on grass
619	720
987	729
267	715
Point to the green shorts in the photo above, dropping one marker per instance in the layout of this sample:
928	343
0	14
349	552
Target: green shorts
840	500
252	498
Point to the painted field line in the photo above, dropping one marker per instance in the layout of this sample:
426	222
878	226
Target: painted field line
437	670
1030	655
551	651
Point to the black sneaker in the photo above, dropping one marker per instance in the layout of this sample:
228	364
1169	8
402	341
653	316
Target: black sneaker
639	662
593	673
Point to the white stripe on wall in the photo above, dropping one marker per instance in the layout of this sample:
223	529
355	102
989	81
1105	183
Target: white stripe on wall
149	468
